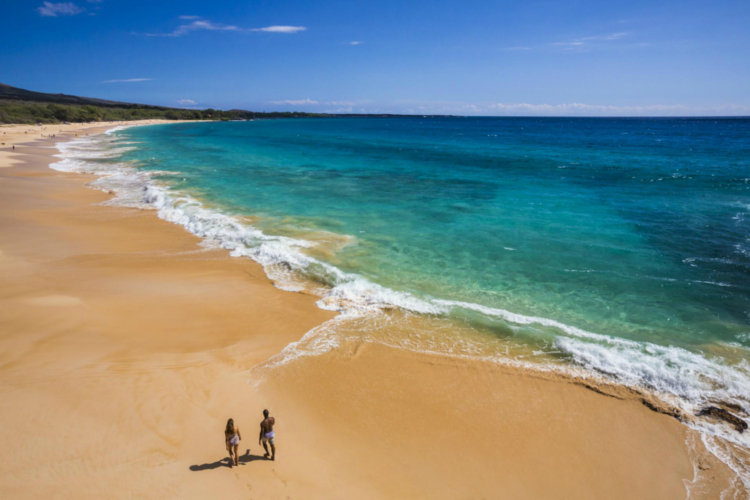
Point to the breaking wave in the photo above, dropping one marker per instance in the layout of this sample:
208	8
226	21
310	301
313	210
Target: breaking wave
685	379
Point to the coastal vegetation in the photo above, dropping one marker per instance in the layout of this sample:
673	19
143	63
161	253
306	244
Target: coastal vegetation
26	106
40	112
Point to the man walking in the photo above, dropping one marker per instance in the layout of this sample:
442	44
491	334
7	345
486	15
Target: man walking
267	435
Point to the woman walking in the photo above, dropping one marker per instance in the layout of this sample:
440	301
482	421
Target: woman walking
232	438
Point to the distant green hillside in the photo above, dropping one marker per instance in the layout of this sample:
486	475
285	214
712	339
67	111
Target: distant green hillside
13	93
25	106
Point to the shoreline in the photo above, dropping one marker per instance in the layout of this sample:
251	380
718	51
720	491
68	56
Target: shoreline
102	265
350	293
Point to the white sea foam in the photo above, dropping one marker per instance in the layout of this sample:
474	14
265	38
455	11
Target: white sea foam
687	379
671	370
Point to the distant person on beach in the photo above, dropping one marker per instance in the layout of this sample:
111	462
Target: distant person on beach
267	435
232	438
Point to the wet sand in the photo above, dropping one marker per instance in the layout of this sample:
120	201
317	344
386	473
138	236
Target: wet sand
125	346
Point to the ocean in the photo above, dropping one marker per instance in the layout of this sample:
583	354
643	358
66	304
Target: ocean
611	248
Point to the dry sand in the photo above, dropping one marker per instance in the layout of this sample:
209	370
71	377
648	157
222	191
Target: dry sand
125	346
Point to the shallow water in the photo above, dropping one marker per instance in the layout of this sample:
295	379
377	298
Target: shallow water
618	246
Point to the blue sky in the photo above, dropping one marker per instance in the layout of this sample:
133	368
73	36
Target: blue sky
565	57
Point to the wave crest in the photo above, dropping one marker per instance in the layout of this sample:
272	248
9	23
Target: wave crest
685	378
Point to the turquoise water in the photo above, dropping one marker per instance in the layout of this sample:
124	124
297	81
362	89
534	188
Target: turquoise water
621	246
634	228
610	248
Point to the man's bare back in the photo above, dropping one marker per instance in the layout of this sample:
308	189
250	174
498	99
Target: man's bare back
267	425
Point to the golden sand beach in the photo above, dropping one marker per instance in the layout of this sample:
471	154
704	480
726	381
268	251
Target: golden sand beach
125	346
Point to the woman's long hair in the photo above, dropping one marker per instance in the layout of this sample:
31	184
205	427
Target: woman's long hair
230	427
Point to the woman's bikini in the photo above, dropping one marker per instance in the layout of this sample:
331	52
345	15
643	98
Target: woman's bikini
235	440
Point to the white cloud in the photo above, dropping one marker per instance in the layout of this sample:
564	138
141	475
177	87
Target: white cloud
347	110
281	29
186	102
354	43
195	26
198	24
583	109
206	25
579	42
569	44
583	43
563	109
615	36
298	102
49	9
310	102
573	109
128	80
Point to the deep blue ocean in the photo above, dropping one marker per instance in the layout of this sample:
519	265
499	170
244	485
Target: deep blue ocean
619	246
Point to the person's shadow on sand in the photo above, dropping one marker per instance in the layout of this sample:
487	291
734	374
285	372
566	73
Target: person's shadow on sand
225	462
